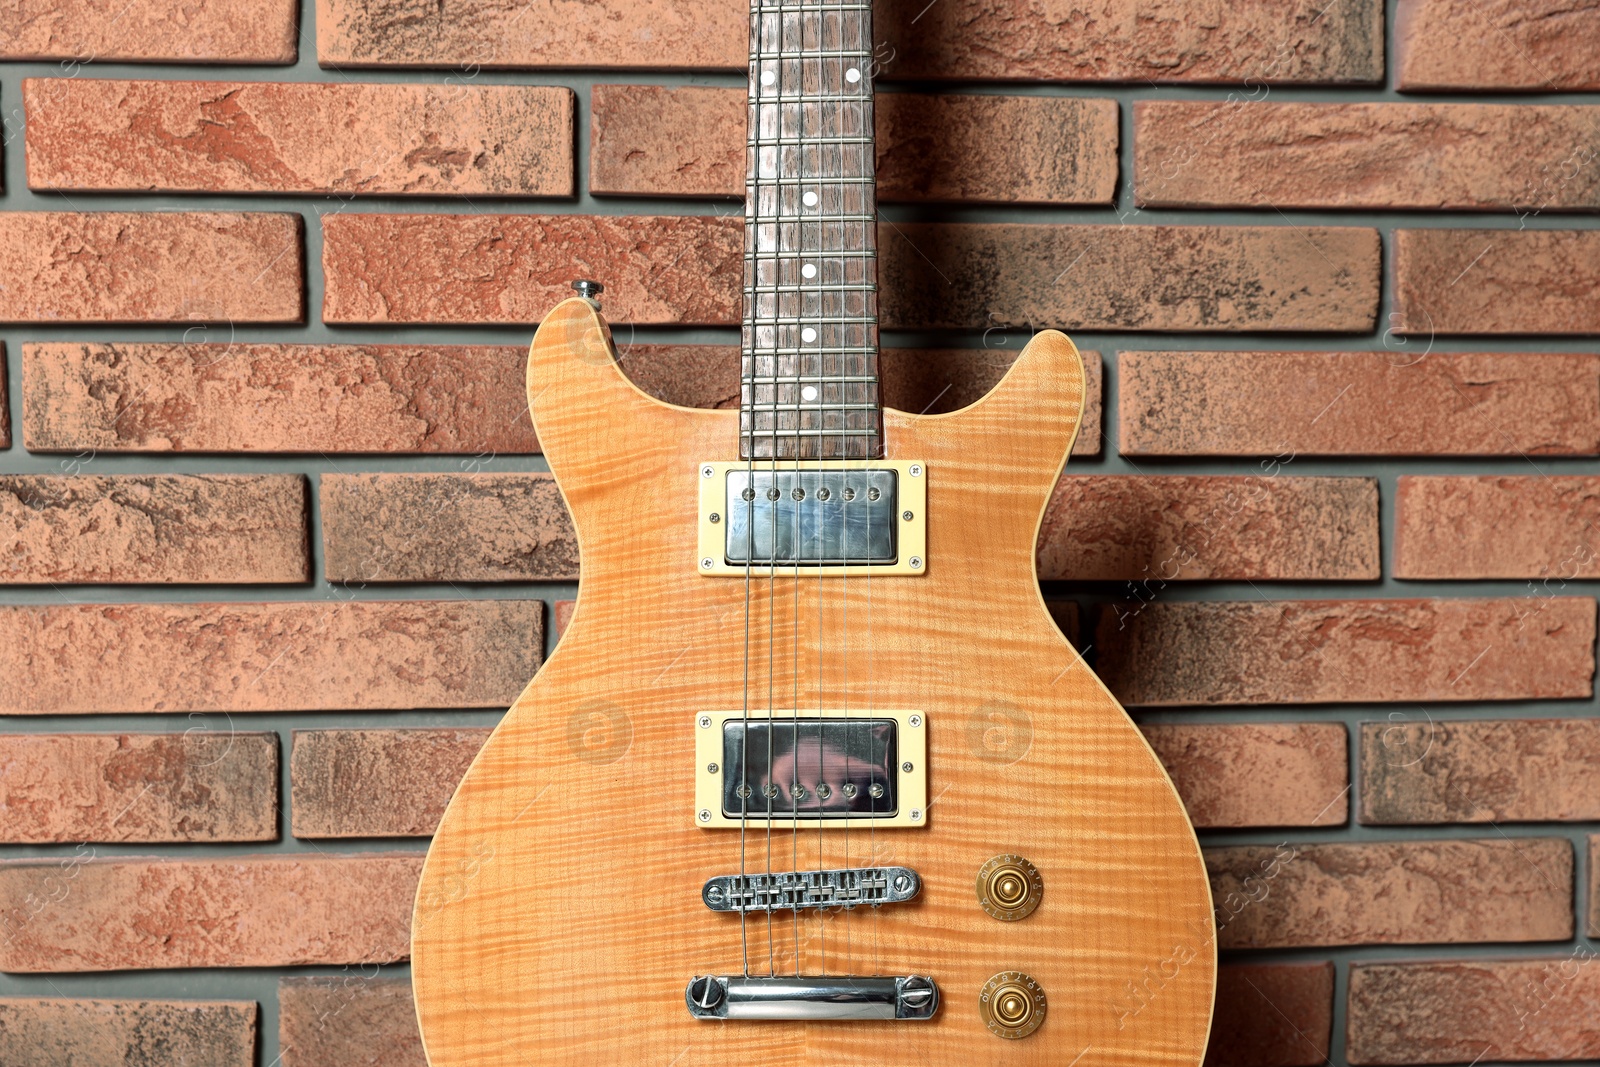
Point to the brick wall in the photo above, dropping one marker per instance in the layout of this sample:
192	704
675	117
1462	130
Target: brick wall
277	546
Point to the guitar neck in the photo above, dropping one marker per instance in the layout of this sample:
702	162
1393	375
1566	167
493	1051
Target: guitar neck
810	342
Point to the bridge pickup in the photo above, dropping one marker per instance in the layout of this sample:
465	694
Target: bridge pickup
843	887
817	518
812	999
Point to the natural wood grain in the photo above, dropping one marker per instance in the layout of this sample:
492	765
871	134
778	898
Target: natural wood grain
559	917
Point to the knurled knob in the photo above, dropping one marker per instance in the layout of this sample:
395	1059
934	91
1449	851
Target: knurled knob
1009	887
1012	1005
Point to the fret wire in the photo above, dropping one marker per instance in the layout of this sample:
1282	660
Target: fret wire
801	379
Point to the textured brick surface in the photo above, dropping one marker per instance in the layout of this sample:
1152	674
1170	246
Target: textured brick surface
5	402
1393	893
1254	154
1458	1011
561	615
685	269
170	266
1250	774
1291	404
320	656
1496	281
1516	526
1326	651
359	1019
1156	529
177	528
276	398
515	268
649	140
1593	889
1536	44
247	911
108	135
1200	278
68	1032
376	783
164	31
446	528
1422	770
1272	1015
1109	40
210	784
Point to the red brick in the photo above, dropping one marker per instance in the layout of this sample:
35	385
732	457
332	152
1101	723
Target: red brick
512	269
333	655
1290	404
1418	770
174	528
1392	893
105	135
1371	155
1153	529
1008	40
1593	909
166	31
1534	44
561	615
446	528
1257	774
1462	1011
1188	278
204	785
1339	651
359	1019
216	397
62	267
140	913
40	1032
376	783
1272	1015
1493	526
650	140
1451	281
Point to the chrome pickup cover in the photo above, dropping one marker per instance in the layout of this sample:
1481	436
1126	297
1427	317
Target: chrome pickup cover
802	517
793	890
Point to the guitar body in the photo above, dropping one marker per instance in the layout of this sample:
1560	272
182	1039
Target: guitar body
559	916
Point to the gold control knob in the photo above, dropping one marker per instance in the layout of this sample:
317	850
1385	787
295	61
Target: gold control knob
1009	888
1012	1005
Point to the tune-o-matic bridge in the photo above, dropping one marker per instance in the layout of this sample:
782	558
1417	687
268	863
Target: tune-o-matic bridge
841	887
816	518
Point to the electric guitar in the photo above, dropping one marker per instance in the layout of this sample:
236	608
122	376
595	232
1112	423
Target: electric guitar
812	777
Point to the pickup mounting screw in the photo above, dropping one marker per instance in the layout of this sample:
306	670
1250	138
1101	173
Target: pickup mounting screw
916	470
715	518
905	515
705	722
705	814
916	720
906	766
916	814
916	563
707	471
712	768
706	563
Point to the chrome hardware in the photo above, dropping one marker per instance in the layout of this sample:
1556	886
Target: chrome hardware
589	290
844	887
1012	1005
824	519
811	998
810	768
1009	888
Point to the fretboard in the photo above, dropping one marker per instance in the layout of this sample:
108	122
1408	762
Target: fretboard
810	365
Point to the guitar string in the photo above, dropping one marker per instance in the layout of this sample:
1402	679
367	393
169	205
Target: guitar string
798	191
845	332
769	787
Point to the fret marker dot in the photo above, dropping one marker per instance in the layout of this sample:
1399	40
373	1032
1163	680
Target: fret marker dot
852	75
808	393
809	199
808	334
808	271
768	77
